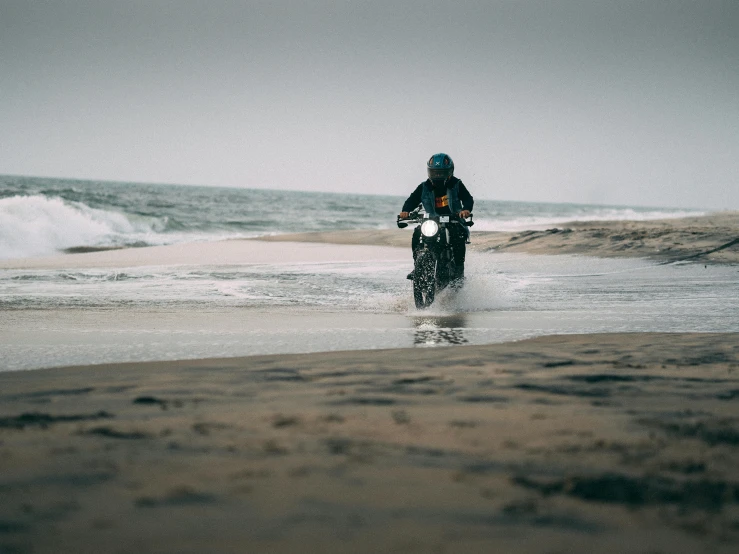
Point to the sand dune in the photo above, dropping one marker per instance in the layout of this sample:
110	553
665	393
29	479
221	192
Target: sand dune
713	238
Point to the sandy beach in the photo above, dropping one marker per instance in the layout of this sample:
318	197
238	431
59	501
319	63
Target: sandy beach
617	442
589	443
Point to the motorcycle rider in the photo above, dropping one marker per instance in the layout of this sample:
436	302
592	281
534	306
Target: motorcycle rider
441	194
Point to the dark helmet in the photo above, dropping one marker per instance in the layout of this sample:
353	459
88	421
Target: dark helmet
440	167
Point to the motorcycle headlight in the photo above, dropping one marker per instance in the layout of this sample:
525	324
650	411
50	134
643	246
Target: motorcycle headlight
429	228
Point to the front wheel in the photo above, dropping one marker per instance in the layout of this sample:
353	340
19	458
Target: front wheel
424	280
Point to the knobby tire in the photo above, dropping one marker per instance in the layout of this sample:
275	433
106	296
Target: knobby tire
424	280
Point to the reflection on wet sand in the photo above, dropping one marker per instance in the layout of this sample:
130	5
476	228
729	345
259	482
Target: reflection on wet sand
439	330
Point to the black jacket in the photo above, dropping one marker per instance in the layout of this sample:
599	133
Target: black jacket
415	198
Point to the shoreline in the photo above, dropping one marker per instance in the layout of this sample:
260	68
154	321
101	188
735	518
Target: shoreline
712	238
579	443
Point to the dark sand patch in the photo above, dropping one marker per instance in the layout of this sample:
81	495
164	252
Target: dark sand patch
44	420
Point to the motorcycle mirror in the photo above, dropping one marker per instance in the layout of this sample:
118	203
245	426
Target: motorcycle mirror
402	225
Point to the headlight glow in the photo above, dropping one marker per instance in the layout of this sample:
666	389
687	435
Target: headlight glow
429	228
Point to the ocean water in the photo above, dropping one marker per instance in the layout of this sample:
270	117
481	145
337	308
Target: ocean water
46	216
156	311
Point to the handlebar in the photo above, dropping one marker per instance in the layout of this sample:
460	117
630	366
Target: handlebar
402	223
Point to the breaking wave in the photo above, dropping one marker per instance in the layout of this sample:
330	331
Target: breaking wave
38	225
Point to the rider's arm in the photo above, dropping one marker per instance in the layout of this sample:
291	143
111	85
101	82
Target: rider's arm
413	200
465	197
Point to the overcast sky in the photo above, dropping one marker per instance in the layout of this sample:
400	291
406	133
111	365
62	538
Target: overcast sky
625	102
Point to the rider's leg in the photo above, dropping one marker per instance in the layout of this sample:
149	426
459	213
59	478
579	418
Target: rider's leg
459	248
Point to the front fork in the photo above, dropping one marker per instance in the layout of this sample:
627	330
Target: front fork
443	270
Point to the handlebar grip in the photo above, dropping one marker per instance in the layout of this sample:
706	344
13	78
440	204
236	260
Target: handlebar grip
401	224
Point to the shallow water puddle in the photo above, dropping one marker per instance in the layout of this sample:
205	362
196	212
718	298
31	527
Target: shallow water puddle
56	317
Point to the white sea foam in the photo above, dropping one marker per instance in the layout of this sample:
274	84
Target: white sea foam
38	225
605	214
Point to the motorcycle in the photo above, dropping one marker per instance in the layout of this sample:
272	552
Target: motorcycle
435	268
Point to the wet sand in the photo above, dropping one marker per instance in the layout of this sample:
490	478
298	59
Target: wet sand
583	443
226	252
